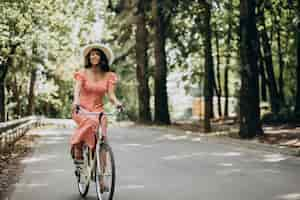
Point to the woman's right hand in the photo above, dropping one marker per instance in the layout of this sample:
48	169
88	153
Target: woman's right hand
75	107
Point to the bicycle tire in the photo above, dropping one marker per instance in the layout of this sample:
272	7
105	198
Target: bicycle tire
105	196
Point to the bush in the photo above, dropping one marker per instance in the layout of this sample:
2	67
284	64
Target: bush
286	115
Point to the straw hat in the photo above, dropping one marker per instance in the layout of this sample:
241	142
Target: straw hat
104	48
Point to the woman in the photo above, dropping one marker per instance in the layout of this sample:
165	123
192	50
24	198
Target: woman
92	83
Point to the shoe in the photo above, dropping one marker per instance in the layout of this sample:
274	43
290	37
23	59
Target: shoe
77	173
104	189
72	153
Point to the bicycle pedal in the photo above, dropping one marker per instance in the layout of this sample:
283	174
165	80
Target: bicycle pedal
78	168
93	177
77	173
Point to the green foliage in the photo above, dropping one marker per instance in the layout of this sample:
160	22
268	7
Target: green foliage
48	35
286	115
41	35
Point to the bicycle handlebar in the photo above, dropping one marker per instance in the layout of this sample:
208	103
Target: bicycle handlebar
78	108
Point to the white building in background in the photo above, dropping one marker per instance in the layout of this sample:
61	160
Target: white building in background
180	103
189	105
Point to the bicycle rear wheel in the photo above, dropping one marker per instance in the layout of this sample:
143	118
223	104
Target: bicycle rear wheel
106	173
83	181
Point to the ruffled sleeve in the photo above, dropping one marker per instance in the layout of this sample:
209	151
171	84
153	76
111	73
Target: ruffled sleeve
112	81
79	76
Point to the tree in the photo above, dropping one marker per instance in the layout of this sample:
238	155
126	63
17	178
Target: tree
130	30
4	68
279	52
297	107
228	55
267	49
250	124
209	75
21	26
161	98
217	83
142	73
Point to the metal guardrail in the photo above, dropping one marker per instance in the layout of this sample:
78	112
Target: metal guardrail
11	131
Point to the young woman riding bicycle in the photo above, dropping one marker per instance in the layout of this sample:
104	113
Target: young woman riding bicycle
92	84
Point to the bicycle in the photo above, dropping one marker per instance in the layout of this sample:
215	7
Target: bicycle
97	167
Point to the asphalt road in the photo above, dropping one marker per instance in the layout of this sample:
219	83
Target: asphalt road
157	164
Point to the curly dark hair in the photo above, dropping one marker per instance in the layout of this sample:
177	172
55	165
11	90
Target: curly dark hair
103	65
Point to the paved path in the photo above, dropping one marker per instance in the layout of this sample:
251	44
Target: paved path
161	165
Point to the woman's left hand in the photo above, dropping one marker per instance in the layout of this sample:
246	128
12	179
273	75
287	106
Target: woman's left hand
120	107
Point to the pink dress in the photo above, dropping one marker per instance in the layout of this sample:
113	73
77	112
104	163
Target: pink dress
91	99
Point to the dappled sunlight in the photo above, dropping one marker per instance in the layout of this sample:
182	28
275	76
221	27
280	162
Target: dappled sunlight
121	124
31	185
137	145
132	187
53	140
147	146
226	154
274	158
48	171
122	149
225	164
188	132
57	133
198	139
38	159
228	171
56	138
50	142
180	157
290	196
172	137
63	122
132	145
273	171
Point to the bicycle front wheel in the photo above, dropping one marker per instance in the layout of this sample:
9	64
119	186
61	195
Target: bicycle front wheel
105	173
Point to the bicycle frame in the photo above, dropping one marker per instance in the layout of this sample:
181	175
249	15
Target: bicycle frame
92	160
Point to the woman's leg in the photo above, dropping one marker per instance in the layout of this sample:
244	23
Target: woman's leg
78	151
84	133
104	125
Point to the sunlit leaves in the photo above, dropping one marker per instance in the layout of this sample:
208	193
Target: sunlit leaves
44	35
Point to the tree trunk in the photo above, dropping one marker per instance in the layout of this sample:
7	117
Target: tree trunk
297	107
280	58
31	97
228	56
274	95
3	72
16	96
263	77
226	89
250	124
262	73
209	78
142	65
218	86
161	97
